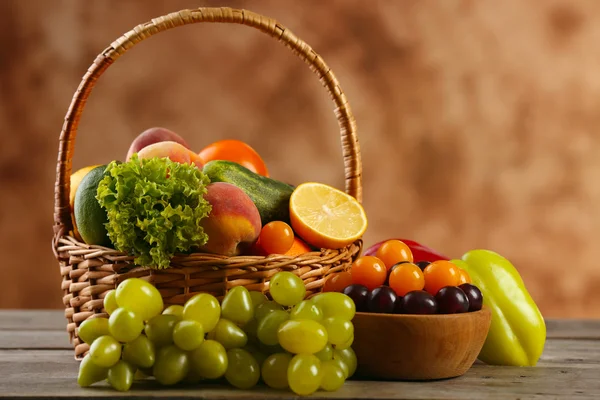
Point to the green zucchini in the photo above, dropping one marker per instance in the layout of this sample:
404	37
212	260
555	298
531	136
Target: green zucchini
271	197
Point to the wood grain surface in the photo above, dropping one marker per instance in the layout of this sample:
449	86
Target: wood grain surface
477	120
568	369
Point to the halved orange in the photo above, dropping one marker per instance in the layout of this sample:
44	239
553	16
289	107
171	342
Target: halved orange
326	217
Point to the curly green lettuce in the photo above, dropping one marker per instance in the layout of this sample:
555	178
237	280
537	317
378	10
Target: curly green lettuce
154	208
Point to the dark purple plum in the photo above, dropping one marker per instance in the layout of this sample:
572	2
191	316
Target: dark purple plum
359	294
419	302
422	264
398	305
382	300
452	300
474	295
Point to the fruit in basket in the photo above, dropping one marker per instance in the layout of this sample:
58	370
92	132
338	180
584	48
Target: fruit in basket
233	224
270	196
151	136
299	247
326	217
419	251
276	237
152	216
337	282
76	178
90	217
236	151
172	150
518	331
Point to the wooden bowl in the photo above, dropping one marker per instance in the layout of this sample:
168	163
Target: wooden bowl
418	347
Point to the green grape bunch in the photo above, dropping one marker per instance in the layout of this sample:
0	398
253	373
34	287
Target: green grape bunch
284	341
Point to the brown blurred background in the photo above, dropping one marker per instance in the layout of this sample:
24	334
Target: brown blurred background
478	120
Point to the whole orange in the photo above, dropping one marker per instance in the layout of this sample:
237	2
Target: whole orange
236	151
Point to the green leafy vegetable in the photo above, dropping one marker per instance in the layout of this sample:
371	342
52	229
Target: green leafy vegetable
154	208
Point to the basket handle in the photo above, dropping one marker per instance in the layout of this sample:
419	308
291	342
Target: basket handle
350	146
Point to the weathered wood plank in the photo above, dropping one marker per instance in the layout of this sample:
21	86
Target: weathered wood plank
15	339
52	373
32	319
573	328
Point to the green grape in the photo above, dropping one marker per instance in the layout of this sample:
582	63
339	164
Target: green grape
171	366
140	352
105	351
228	334
90	373
339	331
160	329
268	350
120	376
306	309
92	328
250	328
204	308
335	304
188	334
110	301
257	298
326	354
124	325
256	352
304	374
210	359
269	326
237	305
302	337
274	370
175	310
348	357
262	310
332	376
243	372
346	344
287	289
140	297
342	365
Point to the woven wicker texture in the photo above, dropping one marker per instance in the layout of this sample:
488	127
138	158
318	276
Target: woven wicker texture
90	271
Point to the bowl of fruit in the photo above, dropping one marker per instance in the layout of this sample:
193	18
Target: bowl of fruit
414	320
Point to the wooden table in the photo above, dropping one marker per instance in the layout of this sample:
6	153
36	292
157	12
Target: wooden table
36	360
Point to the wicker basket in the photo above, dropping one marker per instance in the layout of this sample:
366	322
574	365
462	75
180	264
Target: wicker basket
88	272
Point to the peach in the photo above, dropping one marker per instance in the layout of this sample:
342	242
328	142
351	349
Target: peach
233	224
151	136
173	150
